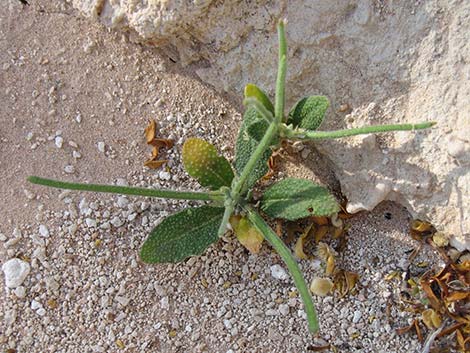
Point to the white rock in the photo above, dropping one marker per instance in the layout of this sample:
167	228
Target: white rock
117	222
35	304
284	309
122	201
278	272
122	300
357	316
15	271
59	141
20	292
164	303
101	146
43	230
164	175
90	222
69	169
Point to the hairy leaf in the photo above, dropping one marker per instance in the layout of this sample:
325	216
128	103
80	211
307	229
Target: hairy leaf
182	234
292	199
202	162
308	113
246	233
253	91
245	147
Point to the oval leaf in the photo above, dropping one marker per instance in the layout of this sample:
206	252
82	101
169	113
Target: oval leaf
308	113
246	145
182	234
253	91
202	162
298	198
247	234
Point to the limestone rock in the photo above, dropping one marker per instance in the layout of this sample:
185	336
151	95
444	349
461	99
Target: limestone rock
406	61
15	271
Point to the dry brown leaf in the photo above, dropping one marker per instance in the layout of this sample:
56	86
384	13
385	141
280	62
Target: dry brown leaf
154	164
420	226
320	232
457	296
320	220
345	282
161	143
318	348
431	319
301	241
150	131
321	286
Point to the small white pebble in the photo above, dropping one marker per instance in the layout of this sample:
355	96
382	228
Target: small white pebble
41	311
357	316
164	175
59	141
278	272
284	309
117	222
73	144
101	146
35	304
76	154
90	222
69	169
43	231
20	292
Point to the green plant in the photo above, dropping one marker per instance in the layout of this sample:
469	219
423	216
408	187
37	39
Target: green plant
190	231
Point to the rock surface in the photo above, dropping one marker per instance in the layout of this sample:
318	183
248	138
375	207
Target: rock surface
389	63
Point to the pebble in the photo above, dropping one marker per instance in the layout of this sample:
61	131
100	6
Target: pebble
284	309
15	271
59	141
164	175
20	292
357	316
117	222
101	146
90	222
69	169
43	231
278	272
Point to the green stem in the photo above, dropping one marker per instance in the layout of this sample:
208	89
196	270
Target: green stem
301	134
273	129
289	260
281	73
125	190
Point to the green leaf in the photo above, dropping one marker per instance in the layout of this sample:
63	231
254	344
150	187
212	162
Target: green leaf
308	113
182	234
202	162
253	91
292	199
246	145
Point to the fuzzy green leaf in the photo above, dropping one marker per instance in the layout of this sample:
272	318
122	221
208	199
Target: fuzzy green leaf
202	162
246	145
182	235
292	199
308	113
253	91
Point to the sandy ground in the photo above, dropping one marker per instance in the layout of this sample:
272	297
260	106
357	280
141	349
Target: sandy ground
67	86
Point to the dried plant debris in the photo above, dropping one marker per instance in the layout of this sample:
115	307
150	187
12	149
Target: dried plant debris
440	298
150	137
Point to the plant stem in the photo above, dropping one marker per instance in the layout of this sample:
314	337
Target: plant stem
289	260
273	128
301	134
126	190
281	73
